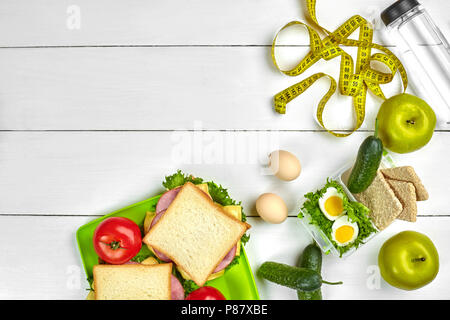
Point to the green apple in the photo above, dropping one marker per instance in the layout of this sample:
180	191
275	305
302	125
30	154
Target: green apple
408	260
405	123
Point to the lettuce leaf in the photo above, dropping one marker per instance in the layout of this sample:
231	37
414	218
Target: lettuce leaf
188	286
143	254
178	179
356	212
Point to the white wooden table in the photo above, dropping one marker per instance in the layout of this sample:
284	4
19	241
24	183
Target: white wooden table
100	99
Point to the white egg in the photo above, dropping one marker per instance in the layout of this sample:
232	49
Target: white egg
331	204
271	208
344	231
284	165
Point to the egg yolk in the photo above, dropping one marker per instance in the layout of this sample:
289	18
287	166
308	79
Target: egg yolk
344	234
334	206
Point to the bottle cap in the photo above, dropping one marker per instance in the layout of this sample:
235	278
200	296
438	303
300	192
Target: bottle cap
393	12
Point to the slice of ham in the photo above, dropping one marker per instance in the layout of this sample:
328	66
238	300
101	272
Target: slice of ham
227	260
177	289
166	199
156	218
161	256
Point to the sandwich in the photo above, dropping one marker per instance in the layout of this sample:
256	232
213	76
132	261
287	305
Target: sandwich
193	234
200	236
132	282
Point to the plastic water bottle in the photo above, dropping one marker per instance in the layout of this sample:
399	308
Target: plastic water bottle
424	52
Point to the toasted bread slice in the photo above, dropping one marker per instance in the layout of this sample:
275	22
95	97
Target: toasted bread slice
382	202
406	193
195	233
132	282
407	174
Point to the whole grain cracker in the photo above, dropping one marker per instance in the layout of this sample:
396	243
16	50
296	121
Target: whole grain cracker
406	193
382	202
407	174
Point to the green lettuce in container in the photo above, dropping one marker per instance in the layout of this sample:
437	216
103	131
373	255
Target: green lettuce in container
345	223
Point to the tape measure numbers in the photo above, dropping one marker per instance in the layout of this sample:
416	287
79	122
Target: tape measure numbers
354	80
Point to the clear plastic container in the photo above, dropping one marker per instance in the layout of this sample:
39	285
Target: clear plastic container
341	176
424	52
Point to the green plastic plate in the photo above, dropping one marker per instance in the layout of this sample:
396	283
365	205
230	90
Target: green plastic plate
236	284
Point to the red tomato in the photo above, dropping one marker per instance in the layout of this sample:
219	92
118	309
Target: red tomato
117	240
205	293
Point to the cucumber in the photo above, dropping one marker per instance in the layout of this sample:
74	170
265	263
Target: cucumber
293	277
366	165
311	259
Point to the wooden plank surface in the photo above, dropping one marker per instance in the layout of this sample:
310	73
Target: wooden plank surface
359	273
174	22
43	262
100	99
144	88
50	268
57	78
98	172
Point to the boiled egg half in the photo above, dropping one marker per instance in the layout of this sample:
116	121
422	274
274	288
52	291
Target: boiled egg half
344	231
331	204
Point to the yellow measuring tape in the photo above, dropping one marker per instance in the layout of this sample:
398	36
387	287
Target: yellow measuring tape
353	81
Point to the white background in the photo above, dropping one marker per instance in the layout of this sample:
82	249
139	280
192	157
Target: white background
100	99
